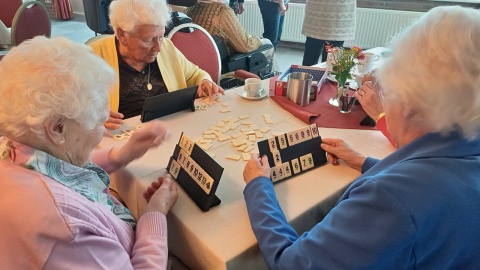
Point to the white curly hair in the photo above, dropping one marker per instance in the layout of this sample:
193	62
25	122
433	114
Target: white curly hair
434	69
43	78
128	14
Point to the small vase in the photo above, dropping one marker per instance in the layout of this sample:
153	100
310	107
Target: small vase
346	100
334	100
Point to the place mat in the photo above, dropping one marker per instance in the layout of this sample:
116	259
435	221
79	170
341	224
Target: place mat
321	112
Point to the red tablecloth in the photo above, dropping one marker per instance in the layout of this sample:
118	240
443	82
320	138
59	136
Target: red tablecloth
321	112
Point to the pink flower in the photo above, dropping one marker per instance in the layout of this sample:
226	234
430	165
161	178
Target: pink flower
360	50
328	48
361	56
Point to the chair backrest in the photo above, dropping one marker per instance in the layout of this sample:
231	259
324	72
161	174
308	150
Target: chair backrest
198	47
31	20
95	38
8	10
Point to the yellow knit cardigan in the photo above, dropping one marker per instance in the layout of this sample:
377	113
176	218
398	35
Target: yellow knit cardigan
177	71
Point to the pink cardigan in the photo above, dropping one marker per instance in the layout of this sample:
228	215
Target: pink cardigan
44	224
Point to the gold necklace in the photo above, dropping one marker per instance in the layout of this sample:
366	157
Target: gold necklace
149	85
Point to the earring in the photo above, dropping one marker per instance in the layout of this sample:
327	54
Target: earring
61	141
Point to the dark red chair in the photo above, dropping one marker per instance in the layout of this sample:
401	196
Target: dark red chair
31	20
199	48
8	10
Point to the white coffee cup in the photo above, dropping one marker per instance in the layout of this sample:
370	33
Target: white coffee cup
253	87
368	63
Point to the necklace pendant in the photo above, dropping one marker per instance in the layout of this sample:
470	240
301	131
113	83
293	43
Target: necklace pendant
149	86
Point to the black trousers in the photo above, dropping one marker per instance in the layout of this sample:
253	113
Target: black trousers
313	48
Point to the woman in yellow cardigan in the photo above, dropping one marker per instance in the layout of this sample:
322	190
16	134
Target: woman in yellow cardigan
146	63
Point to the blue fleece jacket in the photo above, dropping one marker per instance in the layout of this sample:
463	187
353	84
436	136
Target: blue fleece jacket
419	208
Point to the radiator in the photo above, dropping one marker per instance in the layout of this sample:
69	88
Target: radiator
375	27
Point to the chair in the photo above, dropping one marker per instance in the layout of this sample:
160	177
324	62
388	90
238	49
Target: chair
253	63
198	47
95	38
7	12
96	16
31	20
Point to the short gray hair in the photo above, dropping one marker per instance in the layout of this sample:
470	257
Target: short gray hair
43	78
128	14
435	69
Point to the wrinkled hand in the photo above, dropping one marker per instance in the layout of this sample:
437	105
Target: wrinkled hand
368	97
256	167
115	121
283	8
209	88
151	135
241	8
161	195
337	149
370	77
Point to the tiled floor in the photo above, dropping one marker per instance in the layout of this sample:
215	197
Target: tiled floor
77	30
288	56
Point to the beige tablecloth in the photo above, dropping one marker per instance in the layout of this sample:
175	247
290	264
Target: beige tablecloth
222	237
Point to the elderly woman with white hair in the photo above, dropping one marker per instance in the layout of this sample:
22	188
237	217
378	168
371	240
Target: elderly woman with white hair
419	207
56	211
147	64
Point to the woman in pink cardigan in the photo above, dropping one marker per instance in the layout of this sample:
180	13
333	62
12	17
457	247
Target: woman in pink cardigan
56	211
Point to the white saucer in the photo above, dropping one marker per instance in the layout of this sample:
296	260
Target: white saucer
322	65
331	77
263	93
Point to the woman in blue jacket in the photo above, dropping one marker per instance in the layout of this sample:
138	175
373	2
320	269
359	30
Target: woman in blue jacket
418	208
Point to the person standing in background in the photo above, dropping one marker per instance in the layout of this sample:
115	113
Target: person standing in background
273	14
332	21
237	6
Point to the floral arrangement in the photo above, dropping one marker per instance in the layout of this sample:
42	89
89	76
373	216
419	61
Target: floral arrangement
343	61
